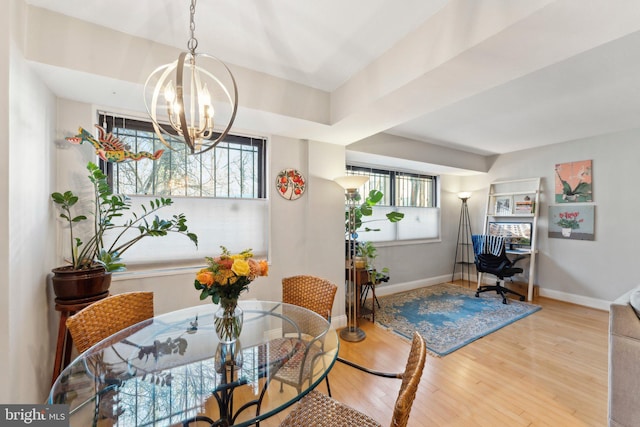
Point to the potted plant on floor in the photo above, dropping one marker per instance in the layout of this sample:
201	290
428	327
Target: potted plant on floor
88	274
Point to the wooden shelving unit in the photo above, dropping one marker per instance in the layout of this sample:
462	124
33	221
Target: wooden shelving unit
514	202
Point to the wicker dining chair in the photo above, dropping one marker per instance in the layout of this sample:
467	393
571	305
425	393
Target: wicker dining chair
108	316
315	294
319	410
310	292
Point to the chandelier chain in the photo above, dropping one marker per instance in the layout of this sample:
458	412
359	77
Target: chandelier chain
192	44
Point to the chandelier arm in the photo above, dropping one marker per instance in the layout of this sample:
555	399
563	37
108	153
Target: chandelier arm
180	99
233	114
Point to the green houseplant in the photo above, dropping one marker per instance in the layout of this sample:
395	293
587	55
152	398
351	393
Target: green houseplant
365	210
361	212
369	253
366	250
94	259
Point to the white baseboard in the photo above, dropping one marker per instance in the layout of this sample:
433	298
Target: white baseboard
576	299
409	286
338	322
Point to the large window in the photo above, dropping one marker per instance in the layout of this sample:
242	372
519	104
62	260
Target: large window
221	192
234	168
415	195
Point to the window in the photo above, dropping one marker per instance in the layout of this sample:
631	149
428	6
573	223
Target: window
234	168
413	194
221	192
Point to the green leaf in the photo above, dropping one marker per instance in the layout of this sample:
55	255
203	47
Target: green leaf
375	196
395	216
366	210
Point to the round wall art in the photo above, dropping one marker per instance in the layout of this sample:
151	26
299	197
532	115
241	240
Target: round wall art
290	184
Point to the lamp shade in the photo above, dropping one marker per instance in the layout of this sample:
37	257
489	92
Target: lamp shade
464	195
351	182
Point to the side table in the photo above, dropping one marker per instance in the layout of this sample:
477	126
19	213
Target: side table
64	345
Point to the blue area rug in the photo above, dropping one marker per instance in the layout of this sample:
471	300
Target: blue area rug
448	316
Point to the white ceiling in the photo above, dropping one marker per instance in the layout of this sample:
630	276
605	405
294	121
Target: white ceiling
484	76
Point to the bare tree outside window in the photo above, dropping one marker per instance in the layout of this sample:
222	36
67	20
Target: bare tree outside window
235	168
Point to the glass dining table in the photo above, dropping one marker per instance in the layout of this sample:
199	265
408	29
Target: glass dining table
172	368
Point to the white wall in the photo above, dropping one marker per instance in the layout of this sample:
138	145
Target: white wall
585	272
30	133
5	325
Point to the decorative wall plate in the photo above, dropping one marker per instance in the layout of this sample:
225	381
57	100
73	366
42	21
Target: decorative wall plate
290	184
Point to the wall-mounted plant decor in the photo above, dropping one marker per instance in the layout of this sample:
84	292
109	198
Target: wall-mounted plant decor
574	182
575	222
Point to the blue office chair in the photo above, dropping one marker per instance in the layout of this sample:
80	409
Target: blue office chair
491	257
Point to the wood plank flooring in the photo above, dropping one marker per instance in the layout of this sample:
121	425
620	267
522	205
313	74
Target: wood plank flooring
548	369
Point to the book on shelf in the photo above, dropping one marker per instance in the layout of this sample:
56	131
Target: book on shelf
525	207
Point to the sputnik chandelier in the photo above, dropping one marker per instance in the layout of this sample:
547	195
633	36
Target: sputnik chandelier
180	97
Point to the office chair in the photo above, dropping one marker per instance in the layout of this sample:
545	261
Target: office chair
491	257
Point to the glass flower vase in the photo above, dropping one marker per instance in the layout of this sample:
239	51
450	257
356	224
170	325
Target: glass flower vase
228	321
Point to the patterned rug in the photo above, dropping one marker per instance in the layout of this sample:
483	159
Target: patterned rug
448	316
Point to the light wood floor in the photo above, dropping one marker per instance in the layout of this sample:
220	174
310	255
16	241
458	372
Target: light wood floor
548	369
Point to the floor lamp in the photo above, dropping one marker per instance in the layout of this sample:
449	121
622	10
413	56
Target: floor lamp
464	236
351	183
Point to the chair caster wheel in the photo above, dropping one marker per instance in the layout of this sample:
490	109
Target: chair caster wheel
504	301
477	294
521	298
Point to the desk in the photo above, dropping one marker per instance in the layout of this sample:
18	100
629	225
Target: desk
172	367
525	252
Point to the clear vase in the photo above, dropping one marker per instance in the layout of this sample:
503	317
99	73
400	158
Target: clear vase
228	321
228	359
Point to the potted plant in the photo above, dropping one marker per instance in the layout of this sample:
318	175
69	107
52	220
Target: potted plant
369	253
89	273
364	210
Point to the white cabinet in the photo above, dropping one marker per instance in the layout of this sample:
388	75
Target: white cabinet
512	211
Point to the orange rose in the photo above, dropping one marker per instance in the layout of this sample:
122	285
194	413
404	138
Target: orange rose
205	277
264	268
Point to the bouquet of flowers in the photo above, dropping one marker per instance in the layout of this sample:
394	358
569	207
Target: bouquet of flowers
223	280
228	275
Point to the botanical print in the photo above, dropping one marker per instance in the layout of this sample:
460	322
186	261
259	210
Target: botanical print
572	222
573	182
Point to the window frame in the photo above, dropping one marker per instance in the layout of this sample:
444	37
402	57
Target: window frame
434	210
393	175
109	120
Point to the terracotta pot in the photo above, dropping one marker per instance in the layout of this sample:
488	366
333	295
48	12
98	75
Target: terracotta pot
71	285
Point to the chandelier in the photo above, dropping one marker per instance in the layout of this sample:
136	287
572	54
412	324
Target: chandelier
180	97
